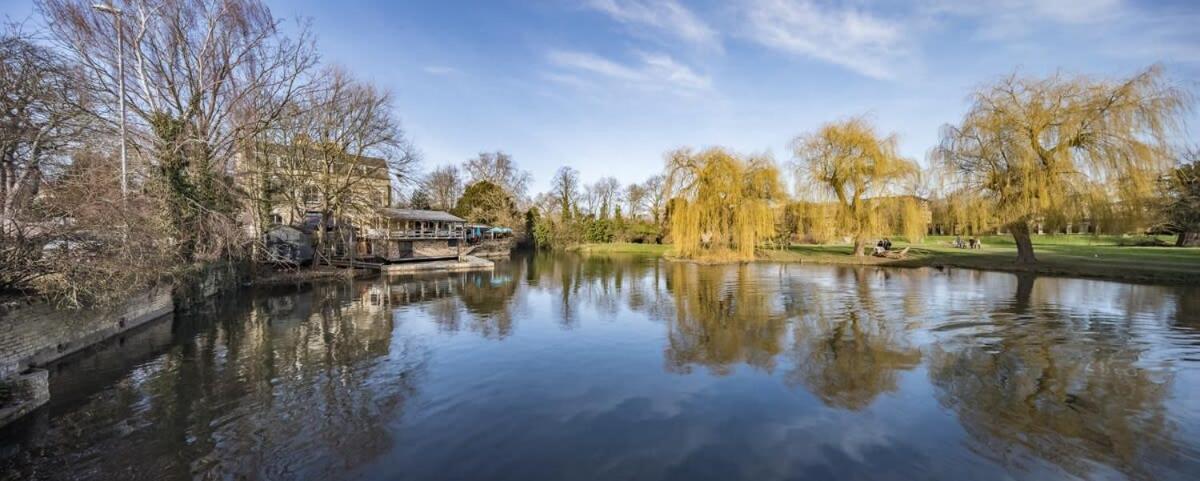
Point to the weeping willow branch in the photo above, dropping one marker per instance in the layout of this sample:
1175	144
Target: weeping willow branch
724	204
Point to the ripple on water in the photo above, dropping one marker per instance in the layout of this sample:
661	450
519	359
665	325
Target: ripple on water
564	367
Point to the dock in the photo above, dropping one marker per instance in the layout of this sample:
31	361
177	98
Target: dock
466	263
375	266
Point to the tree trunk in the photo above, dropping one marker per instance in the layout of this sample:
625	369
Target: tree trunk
1025	281
1020	233
1188	239
860	245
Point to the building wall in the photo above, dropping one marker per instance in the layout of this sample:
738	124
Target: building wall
374	187
433	248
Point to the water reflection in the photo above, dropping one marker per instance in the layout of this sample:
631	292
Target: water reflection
722	317
477	301
1060	386
284	386
848	348
626	367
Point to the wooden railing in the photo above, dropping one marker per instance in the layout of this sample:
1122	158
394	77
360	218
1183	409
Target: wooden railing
402	234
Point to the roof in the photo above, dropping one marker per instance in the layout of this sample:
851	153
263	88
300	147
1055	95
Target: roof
420	215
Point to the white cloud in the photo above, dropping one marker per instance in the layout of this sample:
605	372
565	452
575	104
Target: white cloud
653	71
845	36
665	15
665	68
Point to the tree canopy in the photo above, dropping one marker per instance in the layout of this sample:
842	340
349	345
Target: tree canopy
850	162
1031	148
724	203
1181	205
486	203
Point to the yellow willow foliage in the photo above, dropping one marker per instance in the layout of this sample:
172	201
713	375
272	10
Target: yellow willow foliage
816	222
912	219
723	203
963	212
848	162
1060	147
722	318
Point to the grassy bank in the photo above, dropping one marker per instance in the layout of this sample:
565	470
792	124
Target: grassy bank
622	248
1061	255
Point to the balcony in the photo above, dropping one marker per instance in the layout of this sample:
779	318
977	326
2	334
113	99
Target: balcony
428	234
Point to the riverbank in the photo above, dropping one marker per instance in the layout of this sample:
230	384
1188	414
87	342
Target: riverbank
622	248
1065	256
297	277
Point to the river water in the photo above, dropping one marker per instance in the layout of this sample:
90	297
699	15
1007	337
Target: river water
607	368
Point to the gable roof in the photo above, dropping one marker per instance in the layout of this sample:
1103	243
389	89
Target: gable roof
420	215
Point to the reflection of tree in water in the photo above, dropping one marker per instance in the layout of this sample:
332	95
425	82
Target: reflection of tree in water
603	283
848	350
295	386
477	301
723	316
488	298
1057	388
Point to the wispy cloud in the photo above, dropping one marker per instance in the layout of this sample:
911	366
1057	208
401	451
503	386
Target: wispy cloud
652	71
847	36
1008	19
439	70
1116	27
662	15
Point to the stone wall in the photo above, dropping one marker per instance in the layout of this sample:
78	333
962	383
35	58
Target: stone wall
36	334
433	248
494	248
33	335
29	391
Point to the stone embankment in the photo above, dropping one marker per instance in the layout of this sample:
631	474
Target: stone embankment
36	334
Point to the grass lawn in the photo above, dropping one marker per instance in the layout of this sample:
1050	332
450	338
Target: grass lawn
1066	255
1078	255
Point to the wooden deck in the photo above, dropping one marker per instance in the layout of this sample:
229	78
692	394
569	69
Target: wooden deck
375	266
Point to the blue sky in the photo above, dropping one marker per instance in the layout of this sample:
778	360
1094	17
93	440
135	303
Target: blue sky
607	86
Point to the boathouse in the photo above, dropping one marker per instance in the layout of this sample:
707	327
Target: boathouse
413	234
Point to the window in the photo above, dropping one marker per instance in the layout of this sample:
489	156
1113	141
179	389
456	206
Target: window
311	196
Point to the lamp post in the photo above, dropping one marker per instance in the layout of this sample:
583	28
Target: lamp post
116	13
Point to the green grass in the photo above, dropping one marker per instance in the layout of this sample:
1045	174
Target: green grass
1048	240
1074	255
1060	255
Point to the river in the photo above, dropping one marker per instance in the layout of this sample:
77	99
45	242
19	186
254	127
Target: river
624	367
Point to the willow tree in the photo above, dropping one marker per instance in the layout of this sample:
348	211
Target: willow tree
1035	148
850	162
723	202
1180	207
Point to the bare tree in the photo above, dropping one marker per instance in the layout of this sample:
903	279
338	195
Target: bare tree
203	77
565	187
635	200
602	196
339	148
500	169
656	198
40	118
443	186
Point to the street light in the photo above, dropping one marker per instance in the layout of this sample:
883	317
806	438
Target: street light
116	13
